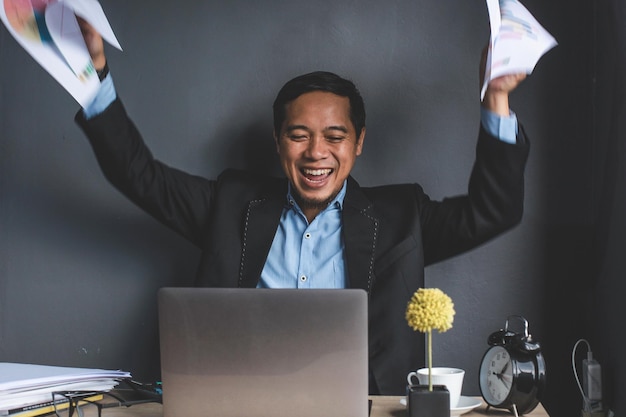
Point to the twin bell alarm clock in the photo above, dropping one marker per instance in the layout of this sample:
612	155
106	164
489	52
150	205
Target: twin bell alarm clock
512	372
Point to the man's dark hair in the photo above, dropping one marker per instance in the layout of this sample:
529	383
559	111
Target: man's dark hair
320	81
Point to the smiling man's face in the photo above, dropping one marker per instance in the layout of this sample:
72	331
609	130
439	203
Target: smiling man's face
318	146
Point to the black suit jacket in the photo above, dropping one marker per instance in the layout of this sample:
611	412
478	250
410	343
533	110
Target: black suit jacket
390	232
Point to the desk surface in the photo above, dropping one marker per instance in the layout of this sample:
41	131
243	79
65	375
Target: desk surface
382	406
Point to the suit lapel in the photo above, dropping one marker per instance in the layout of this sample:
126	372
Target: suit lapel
262	218
360	233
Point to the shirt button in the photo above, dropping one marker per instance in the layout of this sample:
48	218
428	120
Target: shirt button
307	235
303	278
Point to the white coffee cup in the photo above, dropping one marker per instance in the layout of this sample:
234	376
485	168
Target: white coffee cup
452	378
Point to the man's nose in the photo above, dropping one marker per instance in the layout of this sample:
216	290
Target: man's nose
317	148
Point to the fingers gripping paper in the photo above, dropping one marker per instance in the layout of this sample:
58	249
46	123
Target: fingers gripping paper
517	40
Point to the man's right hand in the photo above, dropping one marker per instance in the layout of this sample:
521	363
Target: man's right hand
496	97
94	43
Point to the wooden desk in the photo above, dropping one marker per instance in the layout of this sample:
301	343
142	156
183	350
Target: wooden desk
390	407
382	406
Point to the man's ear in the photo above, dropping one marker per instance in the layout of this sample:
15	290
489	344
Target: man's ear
360	141
276	142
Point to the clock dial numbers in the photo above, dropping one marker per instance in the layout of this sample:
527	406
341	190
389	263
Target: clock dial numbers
497	375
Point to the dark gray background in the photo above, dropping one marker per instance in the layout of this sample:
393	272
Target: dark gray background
80	265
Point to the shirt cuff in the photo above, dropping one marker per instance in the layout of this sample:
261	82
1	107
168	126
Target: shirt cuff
105	96
501	127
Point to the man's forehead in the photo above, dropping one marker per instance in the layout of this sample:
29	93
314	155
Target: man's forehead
319	104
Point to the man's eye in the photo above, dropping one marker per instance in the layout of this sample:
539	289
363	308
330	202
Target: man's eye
335	138
297	137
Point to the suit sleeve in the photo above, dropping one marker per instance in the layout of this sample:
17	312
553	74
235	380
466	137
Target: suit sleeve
494	202
177	199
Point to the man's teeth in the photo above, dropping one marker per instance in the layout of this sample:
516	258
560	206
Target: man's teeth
317	171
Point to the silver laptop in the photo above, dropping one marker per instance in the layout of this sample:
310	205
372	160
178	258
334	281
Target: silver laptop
258	352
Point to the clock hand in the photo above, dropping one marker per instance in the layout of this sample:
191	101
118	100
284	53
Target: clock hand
502	371
504	379
504	368
505	383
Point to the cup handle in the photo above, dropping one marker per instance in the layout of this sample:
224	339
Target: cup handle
410	376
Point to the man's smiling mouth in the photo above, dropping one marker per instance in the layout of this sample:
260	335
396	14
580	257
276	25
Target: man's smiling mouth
317	171
316	174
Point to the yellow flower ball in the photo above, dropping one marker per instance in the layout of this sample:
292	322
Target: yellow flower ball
430	309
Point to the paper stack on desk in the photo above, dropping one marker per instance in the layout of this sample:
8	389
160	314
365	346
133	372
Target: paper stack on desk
23	385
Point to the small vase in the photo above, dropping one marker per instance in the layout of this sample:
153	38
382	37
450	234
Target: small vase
421	402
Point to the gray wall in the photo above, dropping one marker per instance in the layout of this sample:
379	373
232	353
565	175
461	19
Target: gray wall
80	266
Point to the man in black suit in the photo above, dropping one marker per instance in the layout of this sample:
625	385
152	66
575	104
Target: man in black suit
317	227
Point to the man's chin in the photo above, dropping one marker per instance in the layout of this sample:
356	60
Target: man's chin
313	203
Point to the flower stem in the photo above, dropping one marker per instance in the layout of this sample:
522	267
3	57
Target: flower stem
430	360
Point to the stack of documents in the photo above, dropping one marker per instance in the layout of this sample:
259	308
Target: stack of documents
26	386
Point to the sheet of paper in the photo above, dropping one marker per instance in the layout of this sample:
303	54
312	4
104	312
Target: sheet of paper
517	40
91	11
49	32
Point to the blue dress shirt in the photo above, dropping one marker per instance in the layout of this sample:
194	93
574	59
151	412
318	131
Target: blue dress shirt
307	255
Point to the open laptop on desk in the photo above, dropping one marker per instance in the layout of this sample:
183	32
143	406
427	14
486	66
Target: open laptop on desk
260	352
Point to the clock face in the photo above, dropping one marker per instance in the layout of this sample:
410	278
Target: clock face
496	375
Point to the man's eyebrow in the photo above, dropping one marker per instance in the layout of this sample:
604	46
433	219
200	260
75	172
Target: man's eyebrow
340	128
291	128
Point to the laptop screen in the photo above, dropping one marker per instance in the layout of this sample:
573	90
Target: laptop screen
255	352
